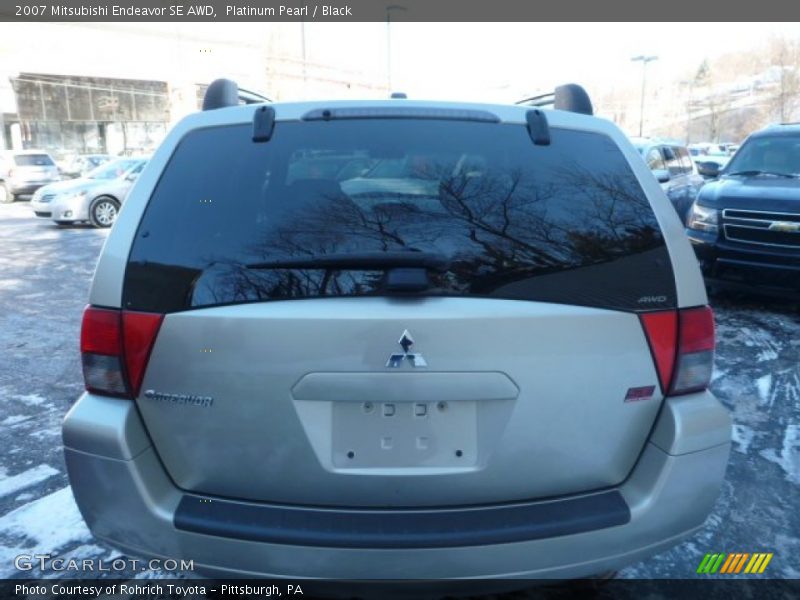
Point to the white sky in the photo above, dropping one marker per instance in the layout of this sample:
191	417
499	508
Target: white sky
470	61
494	60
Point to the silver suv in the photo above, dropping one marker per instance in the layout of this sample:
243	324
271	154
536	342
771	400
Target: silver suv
388	339
23	172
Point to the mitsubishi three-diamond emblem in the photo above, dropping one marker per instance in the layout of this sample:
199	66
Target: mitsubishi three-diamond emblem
397	359
406	341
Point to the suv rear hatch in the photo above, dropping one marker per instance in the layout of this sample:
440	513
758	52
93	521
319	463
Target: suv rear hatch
34	168
398	312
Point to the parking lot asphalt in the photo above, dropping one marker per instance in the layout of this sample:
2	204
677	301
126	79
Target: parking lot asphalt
45	274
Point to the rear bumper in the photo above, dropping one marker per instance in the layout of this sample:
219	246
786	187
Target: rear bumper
128	501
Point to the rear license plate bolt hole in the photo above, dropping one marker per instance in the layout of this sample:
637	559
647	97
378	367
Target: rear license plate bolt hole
459	453
351	454
368	407
442	406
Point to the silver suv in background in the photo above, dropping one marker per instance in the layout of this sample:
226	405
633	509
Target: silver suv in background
25	171
390	339
673	167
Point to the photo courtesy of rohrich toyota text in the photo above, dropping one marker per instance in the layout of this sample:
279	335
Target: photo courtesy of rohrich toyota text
399	299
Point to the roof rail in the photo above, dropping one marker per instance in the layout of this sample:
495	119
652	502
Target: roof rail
569	96
225	92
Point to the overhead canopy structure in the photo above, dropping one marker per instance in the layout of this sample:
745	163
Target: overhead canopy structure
62	98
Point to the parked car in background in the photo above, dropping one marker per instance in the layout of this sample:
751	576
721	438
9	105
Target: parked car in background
674	169
714	149
745	227
95	198
80	165
22	172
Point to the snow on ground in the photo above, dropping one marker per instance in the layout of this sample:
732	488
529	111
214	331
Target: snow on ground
789	457
742	437
30	399
764	385
43	526
11	485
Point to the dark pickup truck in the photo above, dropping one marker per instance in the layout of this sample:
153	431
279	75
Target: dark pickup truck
745	226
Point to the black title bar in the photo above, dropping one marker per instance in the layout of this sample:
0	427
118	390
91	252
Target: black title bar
395	10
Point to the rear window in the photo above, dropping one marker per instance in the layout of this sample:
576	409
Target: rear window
33	160
563	223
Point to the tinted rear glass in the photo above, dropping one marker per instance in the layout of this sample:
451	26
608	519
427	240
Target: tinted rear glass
563	223
33	160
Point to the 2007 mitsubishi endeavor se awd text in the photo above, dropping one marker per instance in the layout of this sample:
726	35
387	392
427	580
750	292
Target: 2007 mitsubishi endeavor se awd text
397	339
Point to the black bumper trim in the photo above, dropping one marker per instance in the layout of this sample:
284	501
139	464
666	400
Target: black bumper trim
400	528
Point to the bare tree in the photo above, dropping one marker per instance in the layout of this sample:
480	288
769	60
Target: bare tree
713	102
784	54
743	122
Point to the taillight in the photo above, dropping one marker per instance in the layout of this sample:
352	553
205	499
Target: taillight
115	348
101	351
695	361
682	344
662	334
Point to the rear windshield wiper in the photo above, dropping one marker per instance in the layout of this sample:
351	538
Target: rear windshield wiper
379	261
754	172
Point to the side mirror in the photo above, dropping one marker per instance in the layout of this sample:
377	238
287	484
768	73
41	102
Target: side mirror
662	175
708	169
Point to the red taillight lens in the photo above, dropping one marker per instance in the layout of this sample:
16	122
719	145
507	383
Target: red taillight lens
695	351
101	332
682	343
662	333
139	331
115	348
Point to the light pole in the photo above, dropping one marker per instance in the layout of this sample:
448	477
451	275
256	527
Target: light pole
644	60
389	10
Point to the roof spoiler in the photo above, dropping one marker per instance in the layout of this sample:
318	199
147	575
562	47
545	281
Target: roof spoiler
222	93
570	97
